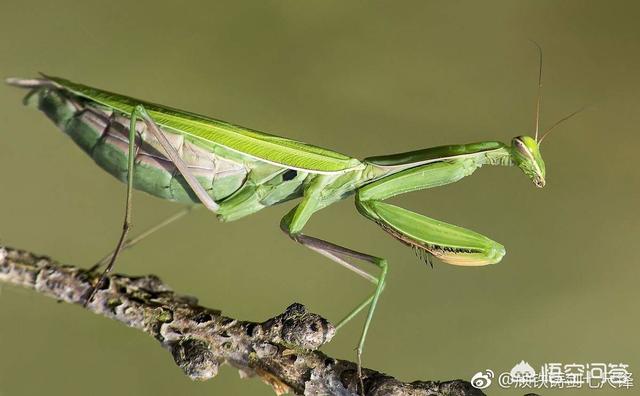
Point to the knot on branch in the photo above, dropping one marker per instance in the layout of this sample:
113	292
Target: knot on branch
195	358
298	328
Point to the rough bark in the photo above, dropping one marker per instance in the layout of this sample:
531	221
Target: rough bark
282	350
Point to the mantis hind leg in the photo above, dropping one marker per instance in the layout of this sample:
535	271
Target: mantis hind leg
126	226
342	256
129	243
174	156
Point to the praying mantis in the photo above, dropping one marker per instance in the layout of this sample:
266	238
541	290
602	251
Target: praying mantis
235	171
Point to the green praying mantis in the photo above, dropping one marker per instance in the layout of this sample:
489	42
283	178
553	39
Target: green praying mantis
235	171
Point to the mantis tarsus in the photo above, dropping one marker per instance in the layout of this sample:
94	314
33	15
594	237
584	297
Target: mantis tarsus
235	171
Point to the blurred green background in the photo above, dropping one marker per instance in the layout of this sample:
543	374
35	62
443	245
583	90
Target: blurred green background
363	78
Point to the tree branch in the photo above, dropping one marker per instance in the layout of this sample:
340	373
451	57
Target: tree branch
282	350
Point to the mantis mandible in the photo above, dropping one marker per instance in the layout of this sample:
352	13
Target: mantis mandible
235	171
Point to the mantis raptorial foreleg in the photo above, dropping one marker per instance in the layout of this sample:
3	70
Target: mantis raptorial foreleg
174	156
447	242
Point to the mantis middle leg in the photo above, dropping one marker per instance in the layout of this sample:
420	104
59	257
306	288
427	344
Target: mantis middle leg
293	223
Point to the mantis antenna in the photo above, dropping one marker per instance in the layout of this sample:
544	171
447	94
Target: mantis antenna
539	99
539	88
559	122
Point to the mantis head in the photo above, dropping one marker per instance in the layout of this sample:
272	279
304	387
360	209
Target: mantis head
525	152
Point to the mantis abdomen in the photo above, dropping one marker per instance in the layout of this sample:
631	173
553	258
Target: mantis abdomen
103	135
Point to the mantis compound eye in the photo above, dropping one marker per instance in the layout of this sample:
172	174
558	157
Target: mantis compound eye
519	145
